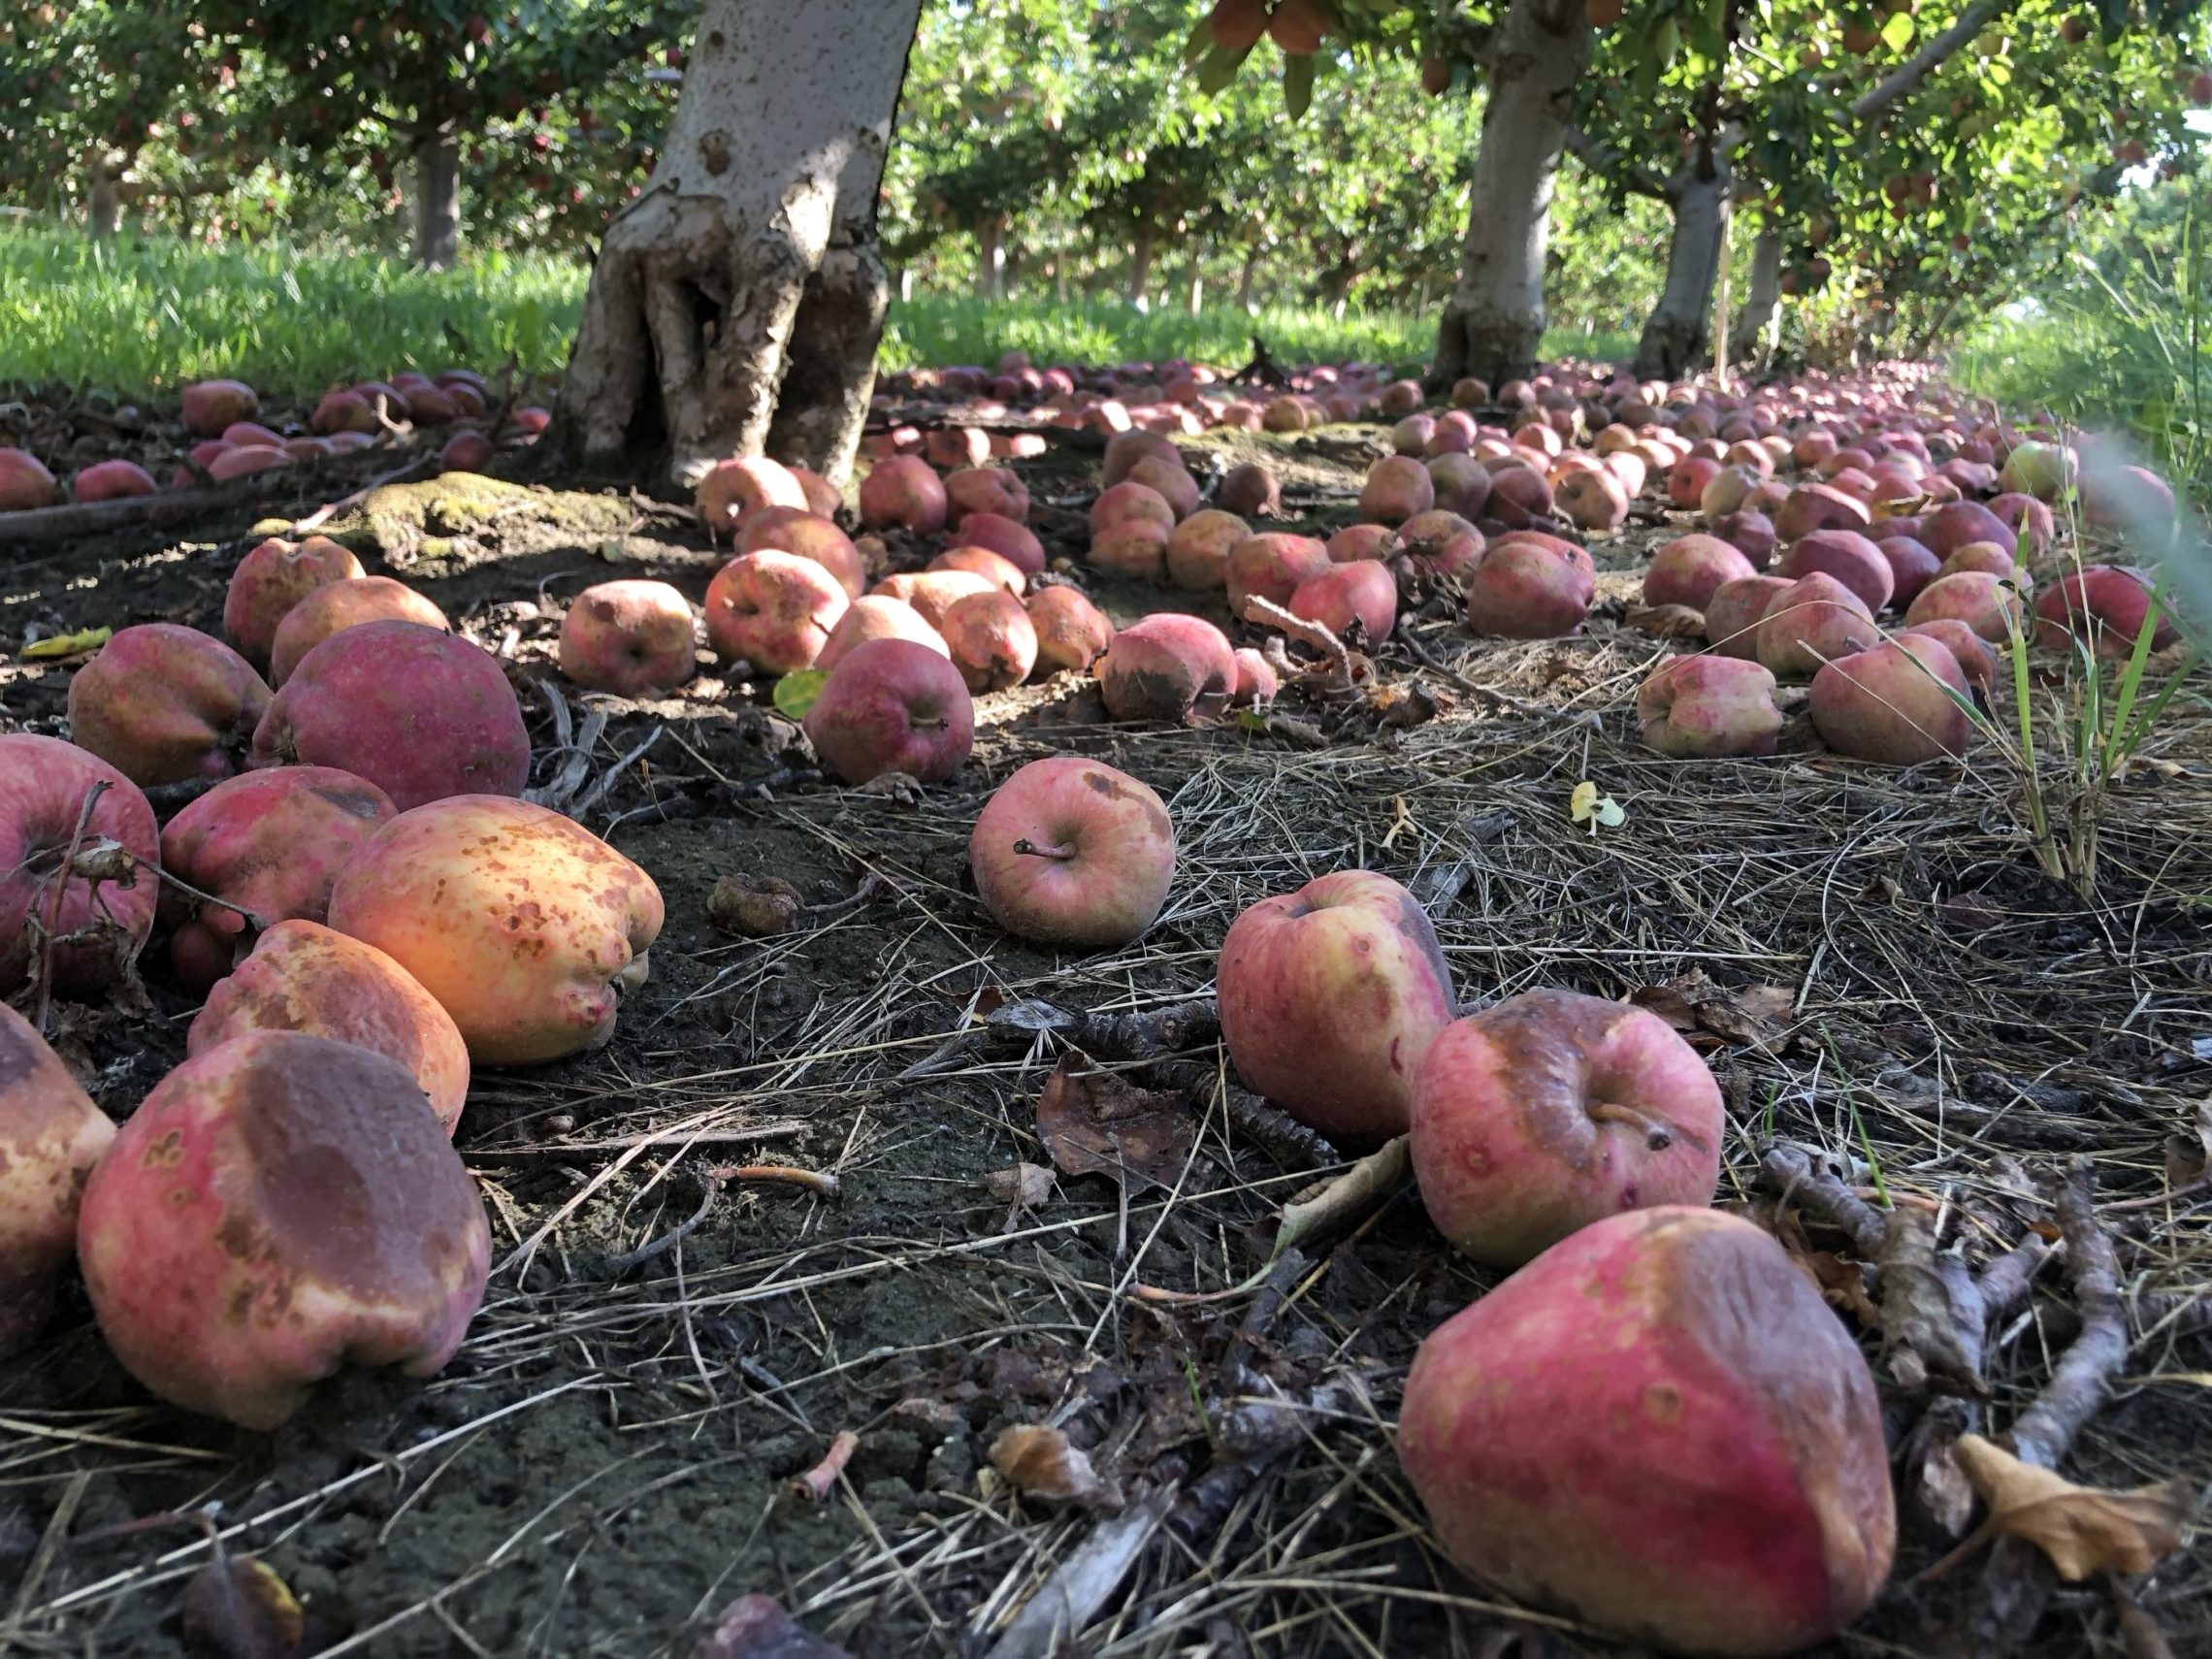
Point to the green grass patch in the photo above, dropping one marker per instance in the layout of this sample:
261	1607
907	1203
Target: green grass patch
131	316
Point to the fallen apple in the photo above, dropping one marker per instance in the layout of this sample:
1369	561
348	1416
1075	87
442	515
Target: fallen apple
1708	707
891	705
1074	854
51	1136
164	704
1897	703
633	638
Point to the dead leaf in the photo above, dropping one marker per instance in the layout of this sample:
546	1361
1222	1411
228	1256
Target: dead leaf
902	787
1345	1198
1667	621
1041	1462
2188	1157
1756	1016
1024	1186
237	1607
756	1627
2083	1529
1094	1123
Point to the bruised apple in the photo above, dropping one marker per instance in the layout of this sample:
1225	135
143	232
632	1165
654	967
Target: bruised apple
1071	631
418	713
340	605
56	796
1167	668
1553	1110
2106	604
1329	998
263	848
1271	565
1659	1427
302	976
891	705
280	1207
1898	703
1732	615
51	1136
877	616
991	639
1816	619
163	703
1690	569
1709	706
1072	853
773	610
273	578
1984	603
631	638
520	923
1526	589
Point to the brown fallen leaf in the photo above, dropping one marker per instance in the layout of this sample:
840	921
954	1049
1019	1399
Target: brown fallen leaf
1757	1015
237	1607
2084	1530
1024	1186
1095	1124
2188	1157
1667	621
1041	1462
756	1627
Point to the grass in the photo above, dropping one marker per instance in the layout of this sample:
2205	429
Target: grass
132	316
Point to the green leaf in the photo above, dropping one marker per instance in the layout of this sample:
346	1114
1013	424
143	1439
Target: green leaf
1200	43
1218	67
795	692
1667	40
1297	84
1896	33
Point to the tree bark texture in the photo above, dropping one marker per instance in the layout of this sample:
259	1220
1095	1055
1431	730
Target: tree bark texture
1675	334
1493	321
1752	336
438	198
738	303
1140	265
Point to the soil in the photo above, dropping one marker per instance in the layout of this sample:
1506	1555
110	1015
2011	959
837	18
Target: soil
609	1459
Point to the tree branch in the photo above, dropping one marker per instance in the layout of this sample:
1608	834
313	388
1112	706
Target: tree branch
1930	57
1609	164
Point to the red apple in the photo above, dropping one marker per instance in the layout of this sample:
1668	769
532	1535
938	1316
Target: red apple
338	605
163	703
1396	488
2103	603
1071	853
731	491
1814	619
634	639
810	535
1272	565
1015	543
891	705
991	640
1975	598
1912	566
273	578
1690	569
1329	998
1896	703
1528	590
1198	550
1167	668
1553	1110
1071	631
773	610
1660	1427
50	1137
1709	706
1363	590
878	616
55	797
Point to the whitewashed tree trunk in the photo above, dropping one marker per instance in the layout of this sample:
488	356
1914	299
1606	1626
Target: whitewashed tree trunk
737	304
1197	291
990	256
103	202
1751	335
438	198
1494	319
1249	277
1140	266
1676	335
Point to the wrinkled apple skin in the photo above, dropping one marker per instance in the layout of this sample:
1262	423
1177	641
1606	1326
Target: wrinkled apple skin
1976	660
877	616
1892	704
892	705
1071	631
1660	1427
1198	552
338	605
773	610
280	1206
1168	668
1815	620
273	578
1553	1110
631	638
1523	590
163	705
420	714
2104	603
1732	615
1709	706
520	922
1071	853
51	1136
44	786
269	842
1329	998
303	976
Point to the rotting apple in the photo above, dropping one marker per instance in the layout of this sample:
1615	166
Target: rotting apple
1071	853
1199	547
993	641
1660	1427
1708	707
1167	668
51	1136
1984	603
773	610
302	976
1362	591
633	638
933	593
1071	631
340	605
1329	999
1271	565
282	1206
1731	616
1553	1110
520	922
163	703
418	713
2106	604
255	850
57	802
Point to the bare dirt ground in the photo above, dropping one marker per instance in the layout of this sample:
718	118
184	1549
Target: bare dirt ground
1876	967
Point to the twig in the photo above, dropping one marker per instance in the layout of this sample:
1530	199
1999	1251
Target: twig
816	1484
60	893
329	510
821	1183
593	796
1789	1172
1259	609
618	1265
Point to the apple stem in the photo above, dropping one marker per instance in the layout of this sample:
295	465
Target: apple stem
936	725
1657	1136
1060	851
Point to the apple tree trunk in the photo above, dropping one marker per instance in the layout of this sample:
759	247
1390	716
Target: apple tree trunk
1752	334
1248	279
1493	320
990	256
1676	335
1140	265
438	198
738	303
103	202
